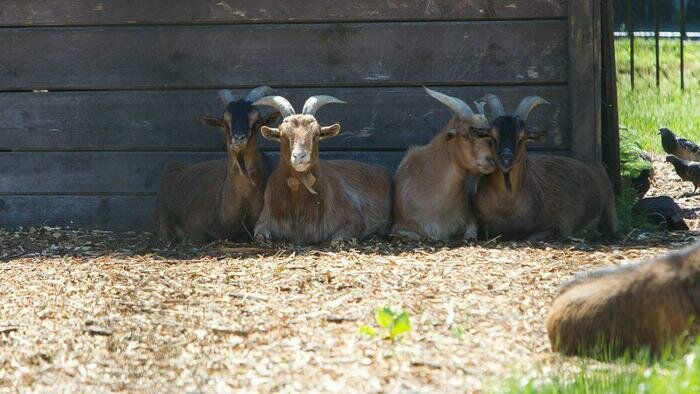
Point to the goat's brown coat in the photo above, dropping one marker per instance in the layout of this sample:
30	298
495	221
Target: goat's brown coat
649	304
330	200
550	196
431	198
214	199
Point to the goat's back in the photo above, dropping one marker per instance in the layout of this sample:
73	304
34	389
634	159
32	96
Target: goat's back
368	187
610	311
189	192
570	191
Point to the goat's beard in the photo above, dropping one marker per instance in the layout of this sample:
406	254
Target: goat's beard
506	179
301	167
240	162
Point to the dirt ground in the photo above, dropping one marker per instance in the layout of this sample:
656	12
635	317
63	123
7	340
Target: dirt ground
98	312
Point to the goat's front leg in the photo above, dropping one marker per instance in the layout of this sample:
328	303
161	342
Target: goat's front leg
539	236
351	228
471	232
263	228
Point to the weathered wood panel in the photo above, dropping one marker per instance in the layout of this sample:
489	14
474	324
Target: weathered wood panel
95	12
585	79
118	172
459	53
116	213
373	119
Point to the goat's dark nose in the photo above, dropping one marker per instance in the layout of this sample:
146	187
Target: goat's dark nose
298	155
506	159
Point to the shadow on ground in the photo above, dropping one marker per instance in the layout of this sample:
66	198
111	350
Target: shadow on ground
47	242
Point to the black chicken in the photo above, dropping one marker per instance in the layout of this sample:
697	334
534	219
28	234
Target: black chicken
679	147
642	183
661	211
688	171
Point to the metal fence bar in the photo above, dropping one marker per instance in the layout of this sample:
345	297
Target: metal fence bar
630	29
682	44
656	38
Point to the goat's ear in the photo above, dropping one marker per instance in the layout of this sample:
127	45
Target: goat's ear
329	131
271	133
212	121
535	135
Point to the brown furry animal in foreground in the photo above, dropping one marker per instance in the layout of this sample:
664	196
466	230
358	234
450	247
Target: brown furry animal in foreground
648	304
219	199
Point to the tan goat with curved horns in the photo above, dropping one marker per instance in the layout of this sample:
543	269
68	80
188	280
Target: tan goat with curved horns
308	200
431	200
542	196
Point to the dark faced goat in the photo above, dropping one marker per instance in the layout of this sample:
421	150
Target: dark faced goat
430	193
219	199
652	305
308	200
538	197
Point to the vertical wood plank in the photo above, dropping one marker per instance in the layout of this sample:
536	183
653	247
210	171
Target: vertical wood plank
585	79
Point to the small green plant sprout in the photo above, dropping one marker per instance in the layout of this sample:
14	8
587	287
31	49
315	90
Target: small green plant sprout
392	324
457	331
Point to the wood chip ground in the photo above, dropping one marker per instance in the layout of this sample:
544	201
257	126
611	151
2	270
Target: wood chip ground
99	312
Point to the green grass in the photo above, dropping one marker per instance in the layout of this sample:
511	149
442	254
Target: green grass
675	375
648	108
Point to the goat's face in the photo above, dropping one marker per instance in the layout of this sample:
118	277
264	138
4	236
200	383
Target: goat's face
299	136
509	135
473	145
238	124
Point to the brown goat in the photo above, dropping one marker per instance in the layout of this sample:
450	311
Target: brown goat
308	200
219	199
644	305
543	196
430	193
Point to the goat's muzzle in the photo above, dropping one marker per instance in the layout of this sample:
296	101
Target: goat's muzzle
301	161
239	143
506	161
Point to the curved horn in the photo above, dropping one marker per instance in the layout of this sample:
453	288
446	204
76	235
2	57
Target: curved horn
495	104
226	96
277	102
527	105
480	107
459	107
258	93
314	103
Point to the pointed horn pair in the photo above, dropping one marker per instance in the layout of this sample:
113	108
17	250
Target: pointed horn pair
313	104
459	107
522	111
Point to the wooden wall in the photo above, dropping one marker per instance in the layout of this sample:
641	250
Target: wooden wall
95	96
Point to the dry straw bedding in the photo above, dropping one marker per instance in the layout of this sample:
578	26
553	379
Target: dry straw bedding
97	312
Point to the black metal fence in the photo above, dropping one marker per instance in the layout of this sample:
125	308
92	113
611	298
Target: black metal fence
632	11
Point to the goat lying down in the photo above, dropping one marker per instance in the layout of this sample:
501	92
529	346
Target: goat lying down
430	193
219	199
644	305
309	200
542	196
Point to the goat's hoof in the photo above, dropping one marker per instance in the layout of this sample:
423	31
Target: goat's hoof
405	235
262	237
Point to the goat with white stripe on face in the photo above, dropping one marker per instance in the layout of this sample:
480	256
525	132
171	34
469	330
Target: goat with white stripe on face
219	199
531	198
